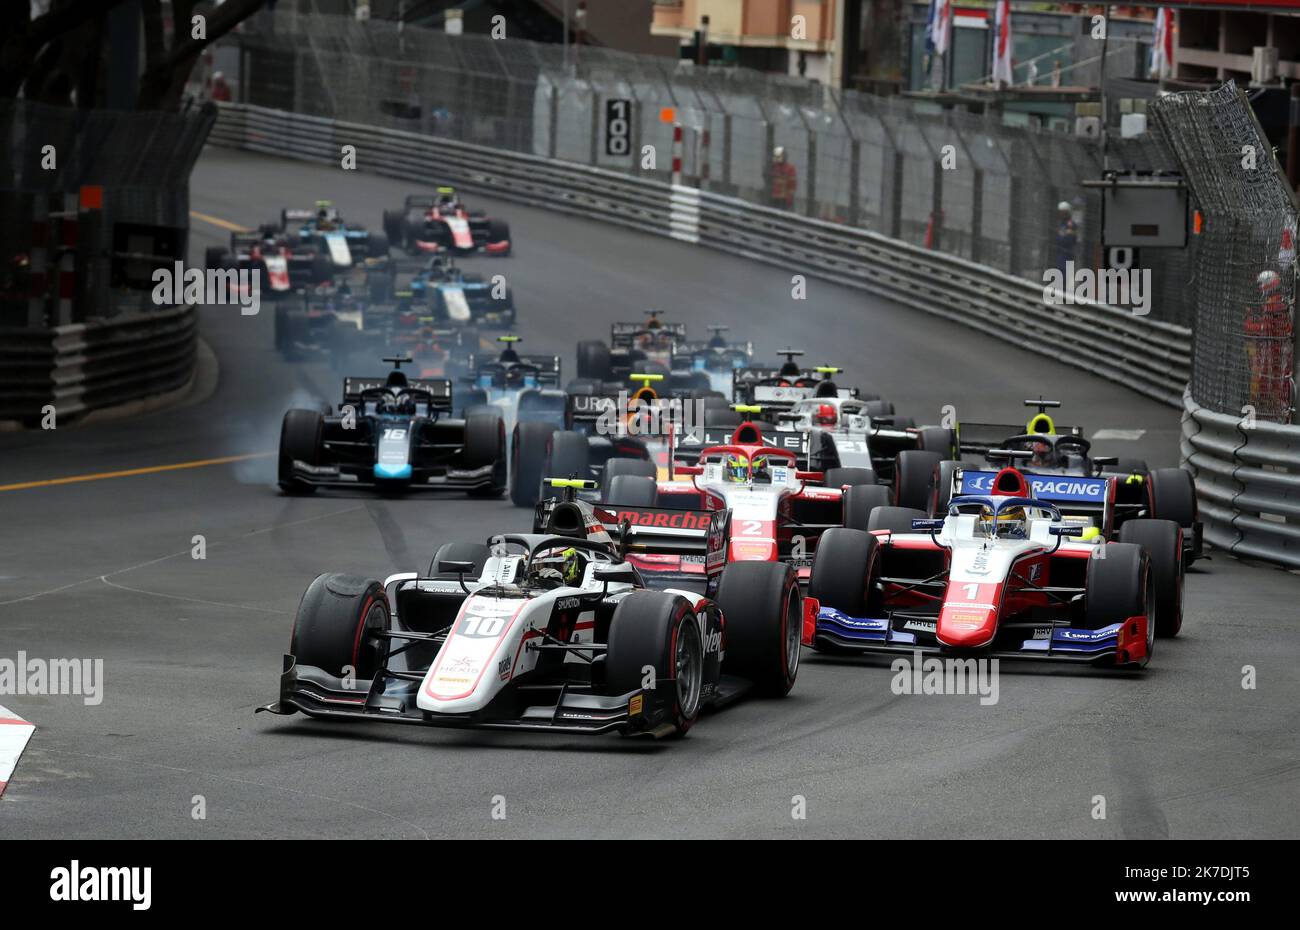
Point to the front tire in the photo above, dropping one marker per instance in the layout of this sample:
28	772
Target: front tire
914	477
332	628
762	611
1163	542
527	461
659	632
300	440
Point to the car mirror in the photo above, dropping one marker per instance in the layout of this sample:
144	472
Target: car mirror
455	568
616	574
927	525
1070	530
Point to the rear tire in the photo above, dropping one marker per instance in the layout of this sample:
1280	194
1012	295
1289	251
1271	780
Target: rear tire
1173	496
845	566
943	488
642	468
528	461
632	491
763	614
659	630
849	475
894	519
1163	542
593	360
938	439
300	440
330	629
569	456
377	245
914	477
859	503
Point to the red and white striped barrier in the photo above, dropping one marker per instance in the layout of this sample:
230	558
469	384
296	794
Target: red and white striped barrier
14	734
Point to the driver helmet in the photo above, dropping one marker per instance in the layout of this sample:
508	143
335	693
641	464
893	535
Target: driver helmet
1010	523
736	468
1042	453
825	415
566	567
759	470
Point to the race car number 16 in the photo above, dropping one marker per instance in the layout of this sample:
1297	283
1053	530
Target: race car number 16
618	127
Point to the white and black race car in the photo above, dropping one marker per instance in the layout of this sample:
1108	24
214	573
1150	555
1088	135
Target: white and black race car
552	631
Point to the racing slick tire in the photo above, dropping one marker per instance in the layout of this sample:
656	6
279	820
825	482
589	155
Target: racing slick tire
845	568
499	231
394	221
1173	496
1163	542
377	245
894	519
322	269
937	439
300	434
632	491
569	454
485	444
660	631
1117	588
593	360
763	611
860	501
642	468
477	553
903	423
879	408
528	460
329	630
213	257
914	477
851	476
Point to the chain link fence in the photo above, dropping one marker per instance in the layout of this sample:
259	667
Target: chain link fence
142	162
871	162
1244	282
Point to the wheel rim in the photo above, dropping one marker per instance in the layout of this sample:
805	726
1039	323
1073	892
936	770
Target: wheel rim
793	633
689	662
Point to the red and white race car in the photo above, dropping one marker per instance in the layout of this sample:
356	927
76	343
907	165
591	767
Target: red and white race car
774	511
440	223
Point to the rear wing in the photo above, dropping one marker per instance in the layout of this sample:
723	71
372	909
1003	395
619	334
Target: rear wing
621	333
439	389
688	446
1071	493
979	438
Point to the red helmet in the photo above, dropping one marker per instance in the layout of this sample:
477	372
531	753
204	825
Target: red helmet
825	415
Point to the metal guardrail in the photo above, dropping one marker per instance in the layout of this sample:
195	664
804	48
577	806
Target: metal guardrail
101	363
1151	357
1247	482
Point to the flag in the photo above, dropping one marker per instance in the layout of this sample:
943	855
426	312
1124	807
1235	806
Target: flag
1002	44
938	27
1162	45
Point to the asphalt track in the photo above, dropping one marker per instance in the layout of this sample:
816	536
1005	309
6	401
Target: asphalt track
103	569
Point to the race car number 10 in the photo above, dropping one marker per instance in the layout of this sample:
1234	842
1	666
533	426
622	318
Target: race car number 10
618	127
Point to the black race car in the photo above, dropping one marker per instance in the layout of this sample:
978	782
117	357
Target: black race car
394	434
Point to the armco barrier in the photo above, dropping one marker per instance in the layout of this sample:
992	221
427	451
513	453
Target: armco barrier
1151	357
98	364
1247	482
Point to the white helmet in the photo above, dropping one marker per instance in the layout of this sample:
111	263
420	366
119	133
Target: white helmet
1064	206
778	153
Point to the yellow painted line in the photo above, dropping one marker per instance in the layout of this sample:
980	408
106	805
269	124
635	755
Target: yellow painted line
217	221
131	472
